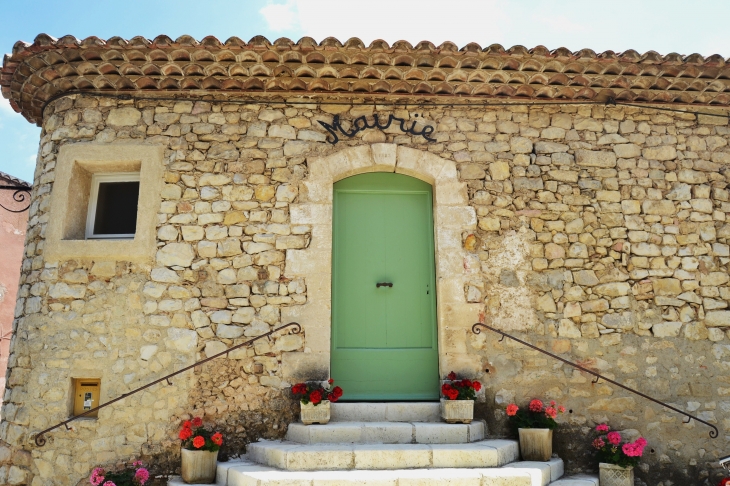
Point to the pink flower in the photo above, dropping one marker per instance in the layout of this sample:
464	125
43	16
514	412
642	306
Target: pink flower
551	412
142	475
97	476
512	409
561	409
137	463
535	406
109	483
602	428
598	443
614	438
552	403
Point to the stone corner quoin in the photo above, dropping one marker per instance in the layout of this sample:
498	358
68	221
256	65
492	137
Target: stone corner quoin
598	233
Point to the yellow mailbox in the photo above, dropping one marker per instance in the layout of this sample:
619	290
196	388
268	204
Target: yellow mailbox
86	395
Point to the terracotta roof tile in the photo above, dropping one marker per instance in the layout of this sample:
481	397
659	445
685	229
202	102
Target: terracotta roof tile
34	73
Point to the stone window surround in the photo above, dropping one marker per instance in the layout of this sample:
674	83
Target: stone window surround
70	198
452	216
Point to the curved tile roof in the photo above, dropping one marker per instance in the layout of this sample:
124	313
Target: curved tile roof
34	73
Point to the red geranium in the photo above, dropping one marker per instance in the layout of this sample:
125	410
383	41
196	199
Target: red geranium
535	415
217	438
185	433
460	389
196	437
316	392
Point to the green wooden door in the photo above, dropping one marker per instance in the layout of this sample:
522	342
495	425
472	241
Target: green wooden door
384	344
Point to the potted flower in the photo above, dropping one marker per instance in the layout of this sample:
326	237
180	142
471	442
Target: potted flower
457	404
616	460
315	398
535	426
199	452
131	475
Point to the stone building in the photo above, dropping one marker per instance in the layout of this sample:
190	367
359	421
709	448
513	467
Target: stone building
576	200
13	220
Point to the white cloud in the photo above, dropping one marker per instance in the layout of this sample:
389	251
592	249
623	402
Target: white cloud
461	21
280	17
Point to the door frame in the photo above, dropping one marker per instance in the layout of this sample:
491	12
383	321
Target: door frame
454	266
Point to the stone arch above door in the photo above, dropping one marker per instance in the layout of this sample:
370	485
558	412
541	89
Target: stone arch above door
452	217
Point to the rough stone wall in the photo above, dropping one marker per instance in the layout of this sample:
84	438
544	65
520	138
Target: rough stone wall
601	236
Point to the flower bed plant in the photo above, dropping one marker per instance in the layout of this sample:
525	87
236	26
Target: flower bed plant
315	392
535	416
460	389
134	474
195	437
609	448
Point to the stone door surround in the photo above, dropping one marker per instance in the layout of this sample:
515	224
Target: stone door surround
452	217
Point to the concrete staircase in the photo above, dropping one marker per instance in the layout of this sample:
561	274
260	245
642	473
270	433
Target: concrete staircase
393	444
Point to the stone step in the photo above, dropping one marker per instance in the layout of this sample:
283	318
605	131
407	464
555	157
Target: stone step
247	473
578	480
385	412
387	433
293	456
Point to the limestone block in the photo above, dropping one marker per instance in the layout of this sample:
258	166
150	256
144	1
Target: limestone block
666	152
622	321
176	254
499	171
419	164
126	116
224	331
214	347
550	147
104	269
183	340
627	150
666	329
392	456
546	303
463	217
451	193
520	145
62	290
165	275
568	329
717	318
311	214
667	286
384	155
471	171
612	289
595	158
585	277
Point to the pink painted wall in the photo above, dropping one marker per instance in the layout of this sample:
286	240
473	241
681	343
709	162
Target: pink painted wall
12	239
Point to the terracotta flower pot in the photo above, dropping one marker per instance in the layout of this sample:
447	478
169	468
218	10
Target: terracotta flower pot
199	466
613	475
536	444
457	411
315	414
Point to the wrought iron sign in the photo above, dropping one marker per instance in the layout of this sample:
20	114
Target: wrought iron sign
21	194
361	123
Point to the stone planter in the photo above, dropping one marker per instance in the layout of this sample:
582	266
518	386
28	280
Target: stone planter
315	414
199	466
457	411
536	444
613	475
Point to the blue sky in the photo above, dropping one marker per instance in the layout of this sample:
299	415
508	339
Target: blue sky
662	25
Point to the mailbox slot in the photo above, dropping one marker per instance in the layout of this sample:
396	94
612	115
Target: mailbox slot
87	392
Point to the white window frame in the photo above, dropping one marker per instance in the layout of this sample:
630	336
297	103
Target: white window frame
96	179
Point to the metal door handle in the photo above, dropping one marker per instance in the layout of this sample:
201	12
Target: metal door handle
383	284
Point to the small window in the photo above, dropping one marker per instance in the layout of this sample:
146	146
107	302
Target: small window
113	206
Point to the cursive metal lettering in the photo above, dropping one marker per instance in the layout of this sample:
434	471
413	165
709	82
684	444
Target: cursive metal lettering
361	123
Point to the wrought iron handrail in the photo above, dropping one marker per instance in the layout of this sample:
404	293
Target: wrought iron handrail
475	329
40	439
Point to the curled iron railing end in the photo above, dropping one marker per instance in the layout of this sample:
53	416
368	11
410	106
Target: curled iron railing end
297	328
19	196
475	328
40	440
714	432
